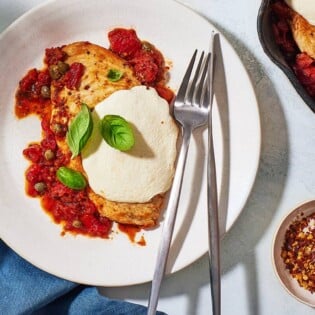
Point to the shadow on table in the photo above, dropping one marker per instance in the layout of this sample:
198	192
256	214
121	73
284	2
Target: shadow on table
238	247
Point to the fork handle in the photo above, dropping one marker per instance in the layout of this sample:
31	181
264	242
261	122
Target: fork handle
168	225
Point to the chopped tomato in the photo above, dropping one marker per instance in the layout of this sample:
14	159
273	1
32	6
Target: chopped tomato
145	68
304	68
282	31
53	55
73	76
28	81
124	42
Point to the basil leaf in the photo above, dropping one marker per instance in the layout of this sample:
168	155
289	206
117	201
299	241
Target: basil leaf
114	75
117	132
71	178
80	130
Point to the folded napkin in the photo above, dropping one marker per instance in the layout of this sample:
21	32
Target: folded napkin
24	289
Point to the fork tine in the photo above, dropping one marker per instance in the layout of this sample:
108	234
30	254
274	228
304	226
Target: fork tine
183	87
200	93
191	93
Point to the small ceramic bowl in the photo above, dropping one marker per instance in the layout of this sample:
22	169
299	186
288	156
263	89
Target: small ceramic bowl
265	34
290	283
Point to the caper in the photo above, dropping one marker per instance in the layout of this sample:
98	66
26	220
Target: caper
77	224
40	187
147	46
57	128
45	91
49	155
62	67
54	72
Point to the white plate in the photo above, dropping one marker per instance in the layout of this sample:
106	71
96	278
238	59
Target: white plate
289	283
176	31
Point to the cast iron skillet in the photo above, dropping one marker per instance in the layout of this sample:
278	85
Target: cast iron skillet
272	51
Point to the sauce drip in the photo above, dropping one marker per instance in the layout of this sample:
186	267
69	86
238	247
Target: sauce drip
131	231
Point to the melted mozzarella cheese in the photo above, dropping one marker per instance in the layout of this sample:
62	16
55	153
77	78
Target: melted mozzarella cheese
145	170
306	8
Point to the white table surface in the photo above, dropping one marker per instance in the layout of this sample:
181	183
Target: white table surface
285	179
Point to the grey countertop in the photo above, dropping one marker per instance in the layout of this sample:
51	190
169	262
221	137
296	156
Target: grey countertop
285	179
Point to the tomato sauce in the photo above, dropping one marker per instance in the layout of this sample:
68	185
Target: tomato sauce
147	61
69	207
132	231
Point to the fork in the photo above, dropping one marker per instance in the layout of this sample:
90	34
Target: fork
191	110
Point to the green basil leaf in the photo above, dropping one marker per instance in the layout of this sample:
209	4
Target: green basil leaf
71	178
114	75
80	130
117	132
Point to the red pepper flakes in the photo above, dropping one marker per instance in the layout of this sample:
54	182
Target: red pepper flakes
298	251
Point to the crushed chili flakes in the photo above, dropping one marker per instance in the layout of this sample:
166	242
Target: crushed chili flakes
298	251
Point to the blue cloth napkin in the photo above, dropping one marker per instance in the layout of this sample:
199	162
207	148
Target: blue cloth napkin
24	289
